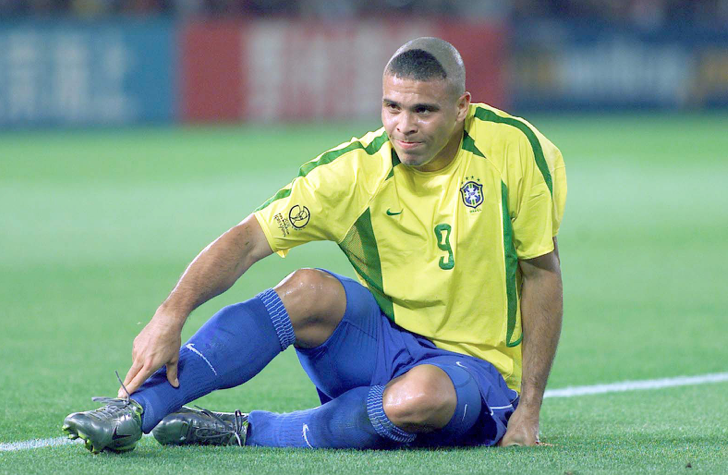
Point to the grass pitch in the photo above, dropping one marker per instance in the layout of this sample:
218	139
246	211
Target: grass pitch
96	227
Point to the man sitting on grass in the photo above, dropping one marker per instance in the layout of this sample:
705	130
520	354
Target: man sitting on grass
448	215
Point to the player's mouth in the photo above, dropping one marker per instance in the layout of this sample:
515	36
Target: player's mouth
407	145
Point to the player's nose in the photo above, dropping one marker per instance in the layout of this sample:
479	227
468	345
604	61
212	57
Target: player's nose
406	124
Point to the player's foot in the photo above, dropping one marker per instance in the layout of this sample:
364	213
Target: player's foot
202	427
117	426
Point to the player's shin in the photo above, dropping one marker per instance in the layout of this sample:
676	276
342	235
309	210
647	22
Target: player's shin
231	348
353	420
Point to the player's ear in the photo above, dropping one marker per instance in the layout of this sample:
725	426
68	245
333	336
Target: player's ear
463	105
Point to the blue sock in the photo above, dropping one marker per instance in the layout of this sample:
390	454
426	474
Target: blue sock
232	347
467	410
355	420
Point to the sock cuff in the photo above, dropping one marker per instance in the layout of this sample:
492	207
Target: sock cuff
384	427
279	317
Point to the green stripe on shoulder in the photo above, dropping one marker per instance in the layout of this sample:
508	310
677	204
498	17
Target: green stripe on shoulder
395	162
490	116
283	193
332	155
326	158
469	145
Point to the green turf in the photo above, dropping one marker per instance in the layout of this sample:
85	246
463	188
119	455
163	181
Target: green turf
96	226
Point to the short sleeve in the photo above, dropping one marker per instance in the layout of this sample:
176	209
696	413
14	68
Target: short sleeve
536	183
558	178
324	200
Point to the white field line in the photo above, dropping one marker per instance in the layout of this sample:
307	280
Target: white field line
637	385
551	393
40	443
35	444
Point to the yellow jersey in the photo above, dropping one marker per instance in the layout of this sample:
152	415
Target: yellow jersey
438	250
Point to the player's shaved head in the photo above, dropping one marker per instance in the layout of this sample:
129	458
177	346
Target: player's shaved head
427	59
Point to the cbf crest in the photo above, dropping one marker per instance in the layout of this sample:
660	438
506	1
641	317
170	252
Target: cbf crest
472	193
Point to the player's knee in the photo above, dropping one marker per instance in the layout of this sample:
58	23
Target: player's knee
302	292
312	297
422	400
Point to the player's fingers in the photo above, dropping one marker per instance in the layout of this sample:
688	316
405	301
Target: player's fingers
509	443
518	441
139	379
172	374
135	367
129	378
514	439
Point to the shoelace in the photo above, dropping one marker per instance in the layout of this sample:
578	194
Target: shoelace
228	429
113	404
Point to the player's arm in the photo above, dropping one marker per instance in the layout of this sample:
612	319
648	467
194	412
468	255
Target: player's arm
541	314
211	273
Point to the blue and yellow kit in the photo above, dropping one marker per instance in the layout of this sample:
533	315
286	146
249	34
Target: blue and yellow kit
438	250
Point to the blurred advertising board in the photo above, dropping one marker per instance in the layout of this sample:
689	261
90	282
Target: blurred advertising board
72	73
566	66
130	71
275	70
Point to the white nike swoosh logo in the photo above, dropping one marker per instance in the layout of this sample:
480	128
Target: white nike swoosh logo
305	435
191	347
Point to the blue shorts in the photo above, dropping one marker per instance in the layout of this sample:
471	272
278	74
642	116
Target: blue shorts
368	349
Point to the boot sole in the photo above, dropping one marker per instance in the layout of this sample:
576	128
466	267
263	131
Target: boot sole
90	445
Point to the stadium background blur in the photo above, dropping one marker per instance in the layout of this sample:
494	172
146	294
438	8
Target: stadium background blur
651	13
121	62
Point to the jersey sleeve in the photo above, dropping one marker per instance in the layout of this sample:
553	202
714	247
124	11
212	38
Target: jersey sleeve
555	162
324	200
536	181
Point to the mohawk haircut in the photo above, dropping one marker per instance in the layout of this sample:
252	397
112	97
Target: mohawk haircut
416	64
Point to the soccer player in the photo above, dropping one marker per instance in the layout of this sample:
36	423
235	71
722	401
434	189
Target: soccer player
448	215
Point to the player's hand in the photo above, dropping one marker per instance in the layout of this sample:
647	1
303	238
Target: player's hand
156	345
522	428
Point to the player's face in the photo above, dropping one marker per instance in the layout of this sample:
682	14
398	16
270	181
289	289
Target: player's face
424	121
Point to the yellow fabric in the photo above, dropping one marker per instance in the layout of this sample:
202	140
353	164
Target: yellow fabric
438	267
